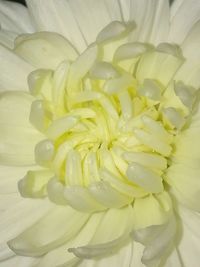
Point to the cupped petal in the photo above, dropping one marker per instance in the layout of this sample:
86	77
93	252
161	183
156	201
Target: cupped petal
152	19
15	17
44	49
9	176
14	71
152	210
158	65
184	14
78	21
17	138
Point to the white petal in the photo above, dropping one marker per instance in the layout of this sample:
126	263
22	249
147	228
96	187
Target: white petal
188	246
19	262
7	38
15	17
60	255
17	137
14	71
57	227
122	258
109	235
157	65
174	259
184	14
9	176
183	174
152	19
44	49
78	21
189	72
11	223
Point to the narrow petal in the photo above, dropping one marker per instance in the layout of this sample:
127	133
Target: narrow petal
15	17
85	19
123	257
152	19
14	71
60	255
11	223
109	235
54	229
182	20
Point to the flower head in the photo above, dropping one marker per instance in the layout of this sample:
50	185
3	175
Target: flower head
99	115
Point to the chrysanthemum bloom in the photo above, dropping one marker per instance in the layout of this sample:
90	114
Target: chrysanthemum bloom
99	138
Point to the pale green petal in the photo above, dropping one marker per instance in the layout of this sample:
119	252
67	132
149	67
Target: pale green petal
14	71
184	14
189	72
152	19
79	22
151	210
121	258
11	223
9	176
44	49
18	261
57	227
7	38
17	138
61	255
183	174
109	235
174	259
15	17
159	66
158	241
188	245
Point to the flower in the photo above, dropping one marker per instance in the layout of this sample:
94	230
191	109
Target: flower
99	141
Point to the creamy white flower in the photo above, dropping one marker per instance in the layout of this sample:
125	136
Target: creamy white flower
99	140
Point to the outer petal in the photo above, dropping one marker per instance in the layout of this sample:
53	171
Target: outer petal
188	246
14	71
152	19
15	17
184	14
17	137
189	71
7	38
183	175
122	257
79	21
57	227
19	261
11	223
61	256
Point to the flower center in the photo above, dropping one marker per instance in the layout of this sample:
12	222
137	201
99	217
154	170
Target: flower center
108	121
